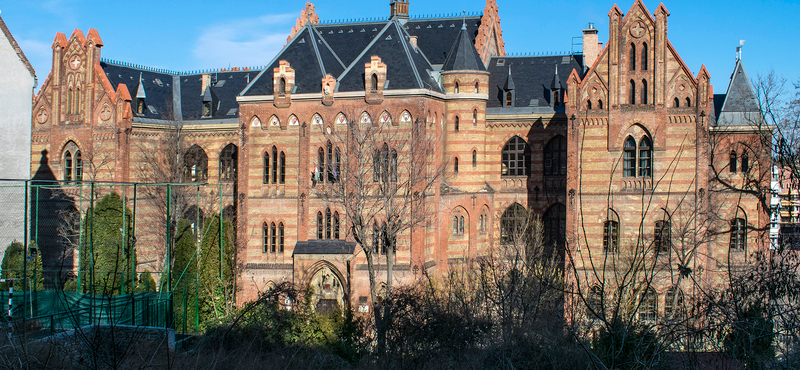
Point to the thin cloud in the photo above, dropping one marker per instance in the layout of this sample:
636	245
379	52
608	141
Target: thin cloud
243	42
40	55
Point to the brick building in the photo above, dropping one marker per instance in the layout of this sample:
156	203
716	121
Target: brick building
508	131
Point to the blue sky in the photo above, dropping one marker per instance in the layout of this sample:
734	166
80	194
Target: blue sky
204	34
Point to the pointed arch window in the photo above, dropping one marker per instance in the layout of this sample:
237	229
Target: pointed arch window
509	98
676	103
461	225
320	226
554	223
274	164
732	161
632	92
265	238
328	223
644	56
336	225
648	308
195	163
688	102
645	157
555	156
662	236
283	168
455	89
266	168
738	234
599	104
629	158
674	302
273	237
475	117
513	223
588	105
227	163
632	55
67	166
515	157
393	165
644	91
474	158
282	86
456	124
78	166
73	162
455	165
745	162
374	84
611	232
476	87
280	237
455	225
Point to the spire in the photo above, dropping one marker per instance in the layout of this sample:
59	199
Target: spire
509	81
463	55
556	84
740	107
140	91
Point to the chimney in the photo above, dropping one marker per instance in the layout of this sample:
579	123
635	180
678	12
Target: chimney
206	81
399	8
413	41
591	48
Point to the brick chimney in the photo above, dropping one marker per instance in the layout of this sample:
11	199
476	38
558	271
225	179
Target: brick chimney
399	8
591	49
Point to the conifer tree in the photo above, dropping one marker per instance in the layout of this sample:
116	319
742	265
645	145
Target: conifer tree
216	276
12	267
184	277
106	258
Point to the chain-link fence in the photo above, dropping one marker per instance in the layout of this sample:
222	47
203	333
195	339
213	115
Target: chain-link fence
127	253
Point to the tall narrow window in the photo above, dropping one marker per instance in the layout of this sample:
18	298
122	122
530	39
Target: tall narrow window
738	234
280	237
676	103
456	124
455	225
319	172
555	98
376	237
513	223
195	163
320	226
274	165
455	90
662	236
69	101
629	158
273	237
645	157
745	162
476	87
455	165
385	162
632	55
555	157
732	161
376	166
599	104
474	158
632	92
283	168
475	117
336	225
329	168
394	165
265	231
588	105
648	308
384	238
337	168
509	97
461	225
673	304
328	220
644	56
644	91
67	166
227	163
282	86
374	85
140	106
688	102
78	166
266	167
611	232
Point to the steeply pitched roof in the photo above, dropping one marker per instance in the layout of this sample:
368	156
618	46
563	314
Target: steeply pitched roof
462	55
407	67
435	36
157	87
224	87
16	47
740	106
309	55
533	78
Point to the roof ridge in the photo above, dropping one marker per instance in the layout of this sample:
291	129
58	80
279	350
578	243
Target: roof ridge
361	54
401	32
328	46
316	51
142	67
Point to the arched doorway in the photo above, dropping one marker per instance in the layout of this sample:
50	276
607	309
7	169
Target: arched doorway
329	292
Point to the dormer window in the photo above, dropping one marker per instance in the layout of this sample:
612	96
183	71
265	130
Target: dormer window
509	98
555	98
206	109
282	86
140	106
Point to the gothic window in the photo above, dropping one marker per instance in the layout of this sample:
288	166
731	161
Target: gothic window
384	238
393	167
515	157
588	105
644	56
611	232
73	163
474	158
632	55
319	172
673	304
376	166
78	166
227	163
555	98
374	85
688	102
195	164
475	117
738	234
274	165
456	124
599	104
648	308
266	167
732	161
337	164
320	226
376	238
476	87
455	225
645	157
676	103
513	223
644	91
629	158
336	225
554	222
509	99
328	225
282	86
140	106
555	157
662	236
265	230
632	93
69	101
595	301
329	169
328	222
455	90
385	162
67	166
283	168
273	237
461	225
455	165
745	162
280	237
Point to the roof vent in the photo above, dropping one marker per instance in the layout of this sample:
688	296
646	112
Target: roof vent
389	37
302	41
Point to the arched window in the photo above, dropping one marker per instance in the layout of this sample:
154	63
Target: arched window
195	163
376	166
329	169
673	304
385	162
274	165
555	98
633	92
476	87
394	165
662	236
632	55
745	162
455	165
273	237
513	223
611	232
68	166
644	91
320	226
266	167
688	102
139	106
732	161
645	157
455	90
282	86
328	221
555	157
509	98
227	163
456	124
461	225
629	158
265	234
676	103
336	225
319	172
283	168
644	56
374	84
595	301
384	238
78	166
280	237
588	105
554	223
599	104
376	238
455	225
515	157
70	102
648	308
738	234
475	117
474	158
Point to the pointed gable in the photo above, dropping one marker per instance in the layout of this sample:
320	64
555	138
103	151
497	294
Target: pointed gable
740	106
463	55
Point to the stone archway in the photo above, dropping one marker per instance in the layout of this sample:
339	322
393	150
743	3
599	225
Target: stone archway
329	292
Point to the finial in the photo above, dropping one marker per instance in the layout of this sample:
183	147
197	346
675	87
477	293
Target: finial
464	20
739	50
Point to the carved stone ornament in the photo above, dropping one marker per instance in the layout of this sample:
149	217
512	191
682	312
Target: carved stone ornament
638	30
75	62
41	116
105	114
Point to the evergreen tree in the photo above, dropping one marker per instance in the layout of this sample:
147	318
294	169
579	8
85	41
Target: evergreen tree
12	267
184	277
103	251
216	276
146	283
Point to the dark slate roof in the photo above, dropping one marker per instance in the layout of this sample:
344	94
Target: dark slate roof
407	67
324	247
532	78
435	36
462	55
348	40
740	106
225	86
157	88
310	56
